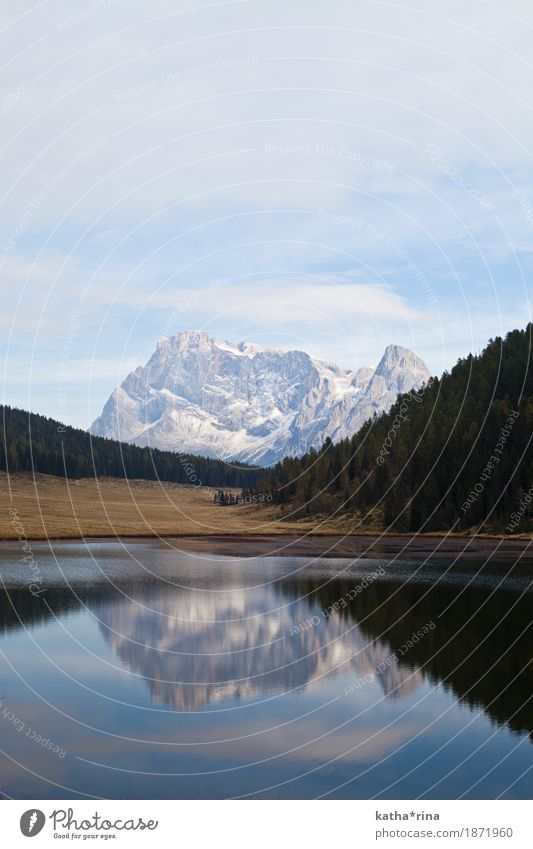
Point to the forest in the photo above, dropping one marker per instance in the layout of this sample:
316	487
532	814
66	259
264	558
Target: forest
34	443
453	456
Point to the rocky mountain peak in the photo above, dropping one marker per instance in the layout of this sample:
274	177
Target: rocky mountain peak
200	395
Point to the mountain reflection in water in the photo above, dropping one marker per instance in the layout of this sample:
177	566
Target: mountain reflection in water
220	634
167	675
195	647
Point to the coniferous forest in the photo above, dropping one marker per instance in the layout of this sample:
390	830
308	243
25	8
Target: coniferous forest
35	443
452	456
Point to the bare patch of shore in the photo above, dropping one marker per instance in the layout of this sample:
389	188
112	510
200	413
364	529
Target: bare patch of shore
470	549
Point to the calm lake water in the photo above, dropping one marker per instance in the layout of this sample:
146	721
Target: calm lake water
142	671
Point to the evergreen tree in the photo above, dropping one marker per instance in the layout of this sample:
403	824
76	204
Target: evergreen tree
453	456
35	443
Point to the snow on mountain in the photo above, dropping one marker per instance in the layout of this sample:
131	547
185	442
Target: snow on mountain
199	395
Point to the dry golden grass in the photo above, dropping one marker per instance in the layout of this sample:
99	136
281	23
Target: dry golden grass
51	507
48	506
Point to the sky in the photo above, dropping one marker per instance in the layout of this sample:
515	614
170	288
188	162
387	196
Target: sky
329	177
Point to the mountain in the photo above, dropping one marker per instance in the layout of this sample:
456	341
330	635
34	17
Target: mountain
453	457
243	402
34	443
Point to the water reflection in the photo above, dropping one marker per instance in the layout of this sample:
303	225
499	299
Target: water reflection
197	647
219	635
481	650
179	678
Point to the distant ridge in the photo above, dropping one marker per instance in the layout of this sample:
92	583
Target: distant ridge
248	403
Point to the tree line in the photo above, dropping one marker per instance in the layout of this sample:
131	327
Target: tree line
35	443
454	455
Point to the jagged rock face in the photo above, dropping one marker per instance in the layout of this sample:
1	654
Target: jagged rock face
201	396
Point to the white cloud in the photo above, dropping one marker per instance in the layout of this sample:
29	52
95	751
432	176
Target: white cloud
342	76
243	120
290	301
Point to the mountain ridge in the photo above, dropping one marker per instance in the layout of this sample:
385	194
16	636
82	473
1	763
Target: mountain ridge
460	460
244	402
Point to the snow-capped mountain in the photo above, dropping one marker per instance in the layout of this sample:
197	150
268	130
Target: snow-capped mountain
202	396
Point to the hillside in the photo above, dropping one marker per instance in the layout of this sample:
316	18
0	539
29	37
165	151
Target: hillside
454	456
35	506
34	443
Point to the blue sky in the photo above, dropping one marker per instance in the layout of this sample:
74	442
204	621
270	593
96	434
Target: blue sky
330	177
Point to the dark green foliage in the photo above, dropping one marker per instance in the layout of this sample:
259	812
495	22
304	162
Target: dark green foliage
34	443
440	442
481	650
225	498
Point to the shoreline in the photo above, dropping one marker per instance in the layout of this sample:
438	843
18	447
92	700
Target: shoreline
385	535
328	545
46	509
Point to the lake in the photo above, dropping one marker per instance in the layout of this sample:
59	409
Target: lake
139	670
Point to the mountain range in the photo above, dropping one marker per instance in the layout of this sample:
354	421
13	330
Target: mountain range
199	395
